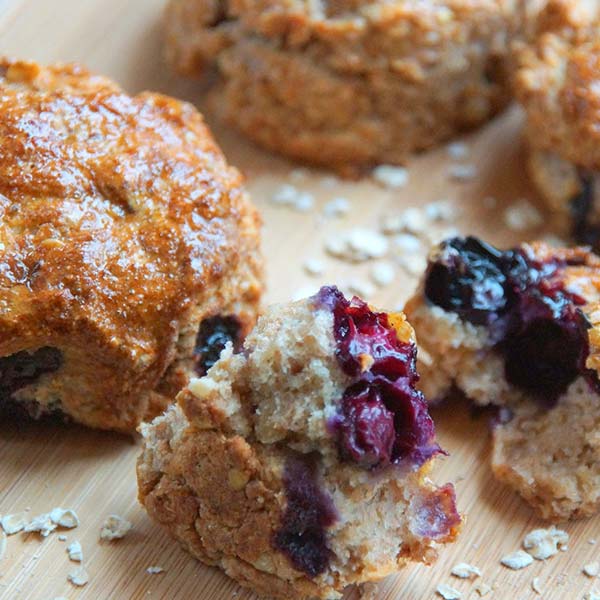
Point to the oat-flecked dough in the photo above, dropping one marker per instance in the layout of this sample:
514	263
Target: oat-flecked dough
558	84
519	330
299	466
355	82
122	230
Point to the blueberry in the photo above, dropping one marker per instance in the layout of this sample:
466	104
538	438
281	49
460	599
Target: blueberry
213	335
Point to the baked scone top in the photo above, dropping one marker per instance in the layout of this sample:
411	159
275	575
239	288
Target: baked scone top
558	82
117	212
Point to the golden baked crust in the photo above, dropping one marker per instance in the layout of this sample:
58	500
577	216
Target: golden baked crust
557	83
216	468
351	82
122	227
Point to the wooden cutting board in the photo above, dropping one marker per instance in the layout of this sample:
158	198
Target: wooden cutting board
92	472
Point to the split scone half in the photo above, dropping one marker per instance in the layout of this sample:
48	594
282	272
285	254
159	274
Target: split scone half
557	84
350	83
299	466
520	330
129	250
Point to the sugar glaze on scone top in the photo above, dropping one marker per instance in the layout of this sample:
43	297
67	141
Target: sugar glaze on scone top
122	226
296	475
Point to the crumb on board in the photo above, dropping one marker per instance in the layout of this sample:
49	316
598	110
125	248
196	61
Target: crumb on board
3	539
13	523
314	266
75	551
483	589
457	150
517	560
154	570
522	215
357	245
336	208
78	577
391	176
592	569
536	586
465	571
383	273
447	592
362	288
462	172
544	543
114	528
290	196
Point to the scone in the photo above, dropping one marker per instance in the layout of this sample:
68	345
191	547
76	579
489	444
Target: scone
350	83
299	466
520	330
129	251
557	84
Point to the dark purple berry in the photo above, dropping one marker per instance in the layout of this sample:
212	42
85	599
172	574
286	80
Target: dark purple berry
20	370
308	513
382	418
213	335
535	322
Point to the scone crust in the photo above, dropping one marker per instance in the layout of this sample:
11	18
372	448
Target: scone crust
356	82
122	228
557	83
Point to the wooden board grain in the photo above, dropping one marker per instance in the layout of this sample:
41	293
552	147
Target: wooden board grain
42	467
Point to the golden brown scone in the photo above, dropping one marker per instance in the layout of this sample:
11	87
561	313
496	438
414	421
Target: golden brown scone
520	330
350	83
122	232
558	85
299	466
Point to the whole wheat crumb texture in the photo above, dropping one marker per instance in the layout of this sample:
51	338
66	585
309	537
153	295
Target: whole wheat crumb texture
518	330
299	466
557	83
349	82
123	232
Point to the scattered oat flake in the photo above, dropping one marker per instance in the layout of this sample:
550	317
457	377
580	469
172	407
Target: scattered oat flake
391	176
413	220
357	245
458	150
290	196
592	542
75	552
14	523
442	210
465	571
299	173
464	172
517	560
592	596
413	264
78	577
407	242
41	524
483	589
337	207
522	215
313	266
447	592
3	539
544	543
64	517
62	538
154	570
535	585
328	181
114	528
360	287
383	273
592	569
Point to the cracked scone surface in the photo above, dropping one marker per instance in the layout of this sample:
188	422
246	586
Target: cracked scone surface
122	230
557	83
299	465
518	330
349	83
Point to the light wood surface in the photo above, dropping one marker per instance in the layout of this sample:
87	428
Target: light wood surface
42	467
